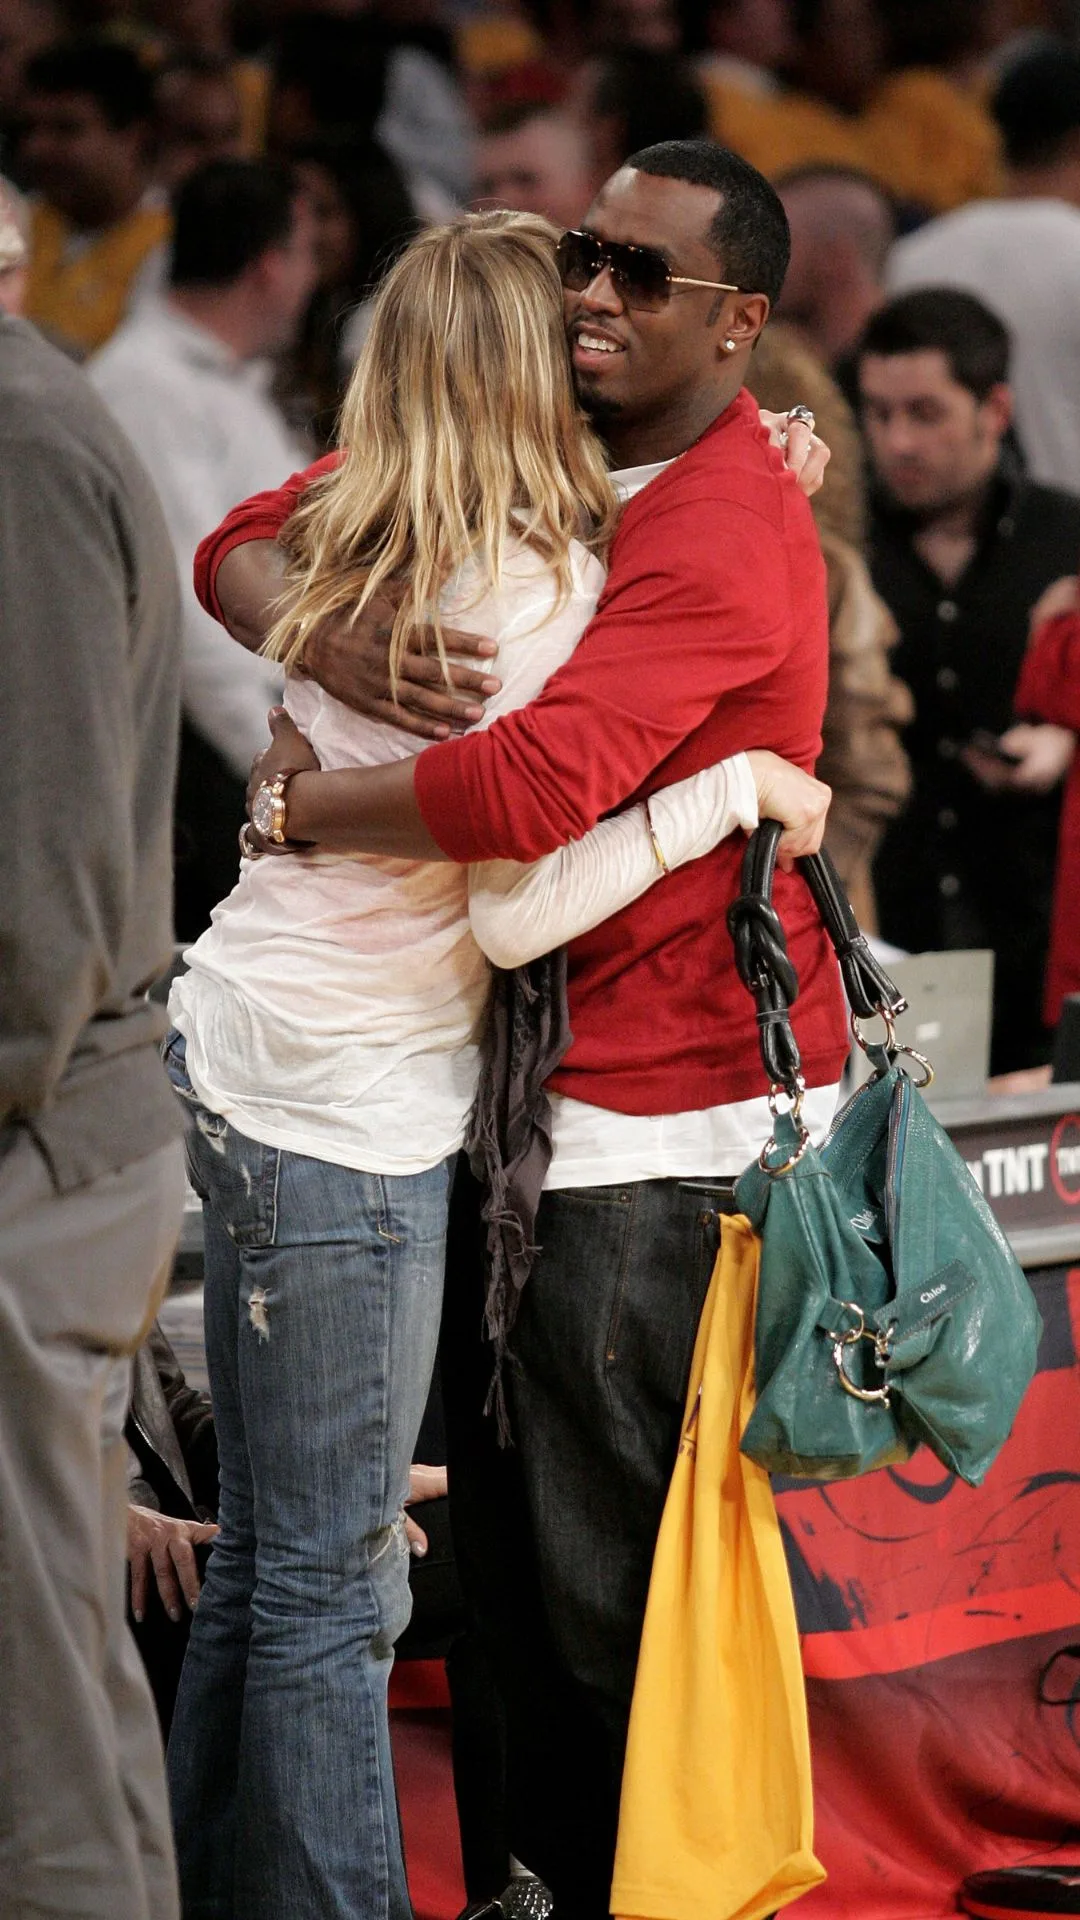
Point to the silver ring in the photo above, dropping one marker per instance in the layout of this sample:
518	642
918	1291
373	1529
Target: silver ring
805	414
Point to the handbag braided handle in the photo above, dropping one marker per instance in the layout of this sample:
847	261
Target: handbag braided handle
763	962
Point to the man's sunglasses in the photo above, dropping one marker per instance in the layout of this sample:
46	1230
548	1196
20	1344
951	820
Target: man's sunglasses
640	275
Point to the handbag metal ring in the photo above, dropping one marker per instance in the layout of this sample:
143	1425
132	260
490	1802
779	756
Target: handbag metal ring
785	1166
928	1071
879	1396
894	1048
794	1093
889	1042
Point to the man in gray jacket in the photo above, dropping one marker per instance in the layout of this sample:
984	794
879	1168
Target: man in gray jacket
90	1166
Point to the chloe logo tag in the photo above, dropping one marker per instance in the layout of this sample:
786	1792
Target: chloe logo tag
931	1295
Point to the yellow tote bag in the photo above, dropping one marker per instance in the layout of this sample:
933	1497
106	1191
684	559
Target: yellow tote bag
716	1821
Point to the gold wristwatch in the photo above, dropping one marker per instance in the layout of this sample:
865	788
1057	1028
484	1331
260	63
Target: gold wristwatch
268	808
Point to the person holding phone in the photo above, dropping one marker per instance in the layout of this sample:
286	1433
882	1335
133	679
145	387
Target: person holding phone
962	543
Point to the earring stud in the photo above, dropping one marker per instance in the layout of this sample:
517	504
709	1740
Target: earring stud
729	346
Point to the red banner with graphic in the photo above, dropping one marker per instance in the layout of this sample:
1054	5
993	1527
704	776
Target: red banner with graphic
941	1645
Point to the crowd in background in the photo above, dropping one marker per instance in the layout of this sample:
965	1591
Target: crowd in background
197	200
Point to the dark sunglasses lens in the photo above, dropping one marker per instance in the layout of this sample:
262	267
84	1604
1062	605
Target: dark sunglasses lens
641	277
579	261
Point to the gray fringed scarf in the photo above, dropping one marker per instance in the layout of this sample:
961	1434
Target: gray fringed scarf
509	1143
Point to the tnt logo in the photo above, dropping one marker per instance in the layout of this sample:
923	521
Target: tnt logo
1065	1159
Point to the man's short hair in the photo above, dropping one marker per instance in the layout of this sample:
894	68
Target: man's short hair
974	341
1037	106
227	214
749	232
112	76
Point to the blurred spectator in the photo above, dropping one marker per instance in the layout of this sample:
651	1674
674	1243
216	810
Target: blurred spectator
1049	690
198	115
92	1186
961	548
862	758
172	1507
364	216
184	381
536	160
98	226
494	41
202	30
781	128
1021	255
26	26
14	250
651	25
842	226
328	80
636	99
343	77
956	40
926	131
841	49
750	43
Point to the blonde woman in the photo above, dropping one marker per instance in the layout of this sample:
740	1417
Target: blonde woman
326	1046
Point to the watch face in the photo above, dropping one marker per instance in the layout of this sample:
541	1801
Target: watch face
262	812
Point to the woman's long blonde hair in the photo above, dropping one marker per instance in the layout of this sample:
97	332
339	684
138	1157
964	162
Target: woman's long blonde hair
459	430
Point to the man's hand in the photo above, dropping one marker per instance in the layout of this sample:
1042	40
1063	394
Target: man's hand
796	798
351	662
351	659
425	1483
167	1546
804	453
1043	755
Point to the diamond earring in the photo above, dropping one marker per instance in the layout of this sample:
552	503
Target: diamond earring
729	346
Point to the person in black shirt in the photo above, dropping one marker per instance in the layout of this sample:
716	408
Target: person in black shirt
962	544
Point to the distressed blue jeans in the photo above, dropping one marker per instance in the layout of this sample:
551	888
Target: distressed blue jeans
322	1302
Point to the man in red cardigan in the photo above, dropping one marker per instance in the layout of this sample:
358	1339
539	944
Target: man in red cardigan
710	637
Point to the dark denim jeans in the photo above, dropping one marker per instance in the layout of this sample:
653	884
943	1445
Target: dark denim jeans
556	1535
322	1301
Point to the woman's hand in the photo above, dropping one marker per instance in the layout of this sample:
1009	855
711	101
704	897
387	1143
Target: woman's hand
796	798
804	453
288	752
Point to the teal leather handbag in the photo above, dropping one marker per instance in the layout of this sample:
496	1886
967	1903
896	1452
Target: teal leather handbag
891	1310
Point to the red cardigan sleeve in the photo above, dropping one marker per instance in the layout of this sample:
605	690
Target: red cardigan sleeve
683	622
259	518
1049	683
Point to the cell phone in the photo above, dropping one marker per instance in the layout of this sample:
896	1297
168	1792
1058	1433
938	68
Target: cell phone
988	743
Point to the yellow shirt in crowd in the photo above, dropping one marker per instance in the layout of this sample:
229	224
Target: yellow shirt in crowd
922	136
78	294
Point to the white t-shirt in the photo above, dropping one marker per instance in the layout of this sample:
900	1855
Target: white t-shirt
1022	258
